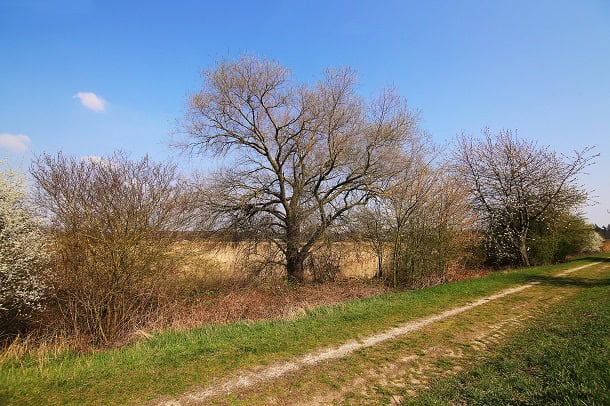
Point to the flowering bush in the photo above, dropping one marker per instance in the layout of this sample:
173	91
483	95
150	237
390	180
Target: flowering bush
594	243
22	256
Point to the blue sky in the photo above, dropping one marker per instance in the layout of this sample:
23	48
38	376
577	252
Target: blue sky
540	67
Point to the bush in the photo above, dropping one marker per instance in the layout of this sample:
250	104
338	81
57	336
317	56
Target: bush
112	221
22	257
562	236
594	243
324	263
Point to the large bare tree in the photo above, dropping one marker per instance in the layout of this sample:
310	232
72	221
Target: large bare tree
301	156
516	183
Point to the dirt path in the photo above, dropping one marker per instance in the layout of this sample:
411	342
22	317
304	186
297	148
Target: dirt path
271	384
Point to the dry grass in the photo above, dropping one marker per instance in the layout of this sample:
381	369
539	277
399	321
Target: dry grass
260	301
39	348
214	288
457	274
216	261
606	246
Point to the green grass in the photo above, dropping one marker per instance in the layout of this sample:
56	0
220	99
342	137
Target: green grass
173	362
561	360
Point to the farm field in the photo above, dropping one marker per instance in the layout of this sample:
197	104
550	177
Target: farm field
180	366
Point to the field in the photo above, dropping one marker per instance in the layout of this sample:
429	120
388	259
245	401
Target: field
224	260
171	365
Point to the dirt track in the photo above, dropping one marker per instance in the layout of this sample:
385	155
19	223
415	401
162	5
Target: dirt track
380	360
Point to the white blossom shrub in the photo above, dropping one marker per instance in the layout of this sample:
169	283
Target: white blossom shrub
594	243
22	255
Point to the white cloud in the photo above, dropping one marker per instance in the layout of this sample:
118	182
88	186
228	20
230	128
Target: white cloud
15	142
91	101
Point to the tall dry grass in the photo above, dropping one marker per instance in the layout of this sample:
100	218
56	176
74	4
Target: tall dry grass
217	262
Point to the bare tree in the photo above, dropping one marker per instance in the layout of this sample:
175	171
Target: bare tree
515	183
371	225
407	195
382	220
453	223
301	156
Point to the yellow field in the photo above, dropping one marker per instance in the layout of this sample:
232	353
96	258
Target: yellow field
221	260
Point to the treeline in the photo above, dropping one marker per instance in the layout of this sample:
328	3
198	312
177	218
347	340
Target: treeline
86	252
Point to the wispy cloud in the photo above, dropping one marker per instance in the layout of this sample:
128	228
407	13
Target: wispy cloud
91	101
15	142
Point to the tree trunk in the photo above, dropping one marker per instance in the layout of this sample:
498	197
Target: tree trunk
395	256
295	255
523	250
294	268
379	273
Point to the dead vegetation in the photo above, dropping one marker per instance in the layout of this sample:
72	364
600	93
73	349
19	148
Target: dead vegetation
260	301
210	284
321	186
214	288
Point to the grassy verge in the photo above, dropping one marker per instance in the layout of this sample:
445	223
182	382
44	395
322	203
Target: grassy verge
563	361
173	362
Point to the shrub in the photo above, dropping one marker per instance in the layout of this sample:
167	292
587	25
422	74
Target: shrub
22	257
324	263
112	221
594	243
562	236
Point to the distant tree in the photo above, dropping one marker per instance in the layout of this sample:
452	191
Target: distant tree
302	156
516	183
594	243
603	231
